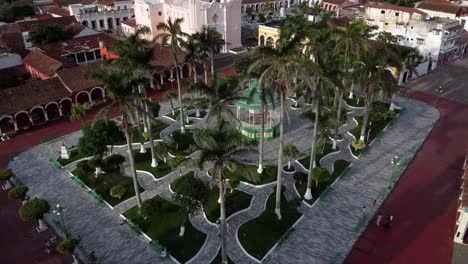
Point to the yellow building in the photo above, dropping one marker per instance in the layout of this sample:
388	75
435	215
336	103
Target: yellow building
269	34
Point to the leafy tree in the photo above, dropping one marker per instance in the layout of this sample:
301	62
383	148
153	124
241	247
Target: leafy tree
6	174
320	175
261	18
40	35
79	111
117	191
35	210
290	152
113	161
170	95
387	37
68	246
241	65
174	37
193	55
97	136
150	207
210	43
18	192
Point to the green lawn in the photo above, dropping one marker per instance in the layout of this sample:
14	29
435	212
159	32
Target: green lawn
190	186
104	182
74	156
353	102
164	226
183	142
248	173
218	259
301	187
156	129
321	151
259	235
173	116
143	162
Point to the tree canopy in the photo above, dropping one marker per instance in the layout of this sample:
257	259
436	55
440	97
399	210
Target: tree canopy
97	136
40	35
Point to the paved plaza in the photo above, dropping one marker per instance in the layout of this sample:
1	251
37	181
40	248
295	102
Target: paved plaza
329	224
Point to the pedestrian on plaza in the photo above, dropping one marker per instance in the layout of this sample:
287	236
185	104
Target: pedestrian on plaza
47	246
374	203
92	258
364	209
379	219
389	222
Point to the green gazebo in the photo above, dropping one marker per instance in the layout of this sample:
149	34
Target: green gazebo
249	114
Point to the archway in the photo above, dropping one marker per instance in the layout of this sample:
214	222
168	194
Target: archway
22	119
110	23
269	42
262	41
242	9
97	94
85	23
7	124
83	97
52	110
37	115
66	105
186	70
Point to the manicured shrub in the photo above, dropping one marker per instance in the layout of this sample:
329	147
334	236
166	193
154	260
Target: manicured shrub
321	175
34	209
233	182
358	144
5	174
80	173
192	187
150	207
95	162
18	192
84	165
67	246
117	191
300	176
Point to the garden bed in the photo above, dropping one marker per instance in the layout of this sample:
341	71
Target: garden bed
74	156
104	182
218	259
173	116
301	187
259	235
320	152
353	102
143	163
164	226
249	174
156	129
183	143
196	189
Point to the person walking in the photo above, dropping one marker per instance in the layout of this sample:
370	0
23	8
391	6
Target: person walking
388	224
374	203
379	219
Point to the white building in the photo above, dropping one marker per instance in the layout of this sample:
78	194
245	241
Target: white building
224	15
437	39
102	14
258	5
445	10
9	59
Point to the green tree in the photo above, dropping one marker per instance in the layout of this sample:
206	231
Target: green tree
387	37
79	111
35	210
320	175
5	175
119	85
193	55
97	136
174	37
211	42
18	192
68	246
290	152
220	146
40	35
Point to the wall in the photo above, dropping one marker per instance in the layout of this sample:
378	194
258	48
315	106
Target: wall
8	60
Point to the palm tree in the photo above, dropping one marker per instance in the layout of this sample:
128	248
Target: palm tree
174	37
277	65
220	147
79	111
211	42
170	95
219	95
375	76
193	55
134	53
119	84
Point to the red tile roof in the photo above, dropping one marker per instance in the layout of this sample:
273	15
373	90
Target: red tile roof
31	94
441	7
129	22
394	7
75	78
72	46
58	11
42	63
26	26
162	56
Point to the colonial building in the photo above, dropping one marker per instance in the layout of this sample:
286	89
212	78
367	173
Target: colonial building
438	39
445	10
128	27
224	15
102	14
256	6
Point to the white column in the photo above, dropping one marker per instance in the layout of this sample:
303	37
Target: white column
162	79
30	120
15	125
85	57
45	115
76	59
60	110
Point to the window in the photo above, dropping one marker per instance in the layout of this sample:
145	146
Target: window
125	18
420	41
382	12
386	24
397	14
101	23
93	24
125	7
117	21
118	8
436	32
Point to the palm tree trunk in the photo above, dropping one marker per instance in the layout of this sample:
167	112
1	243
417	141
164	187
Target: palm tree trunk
212	65
260	146
195	77
206	75
340	106
179	90
149	122
280	160
132	163
366	118
308	194
222	219
351	91
140	131
335	98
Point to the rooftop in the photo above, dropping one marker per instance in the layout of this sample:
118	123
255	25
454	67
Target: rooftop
388	6
129	22
442	7
75	78
162	56
58	11
42	63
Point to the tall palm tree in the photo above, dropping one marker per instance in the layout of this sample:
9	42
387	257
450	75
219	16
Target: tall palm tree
119	84
174	37
79	111
135	53
211	43
221	147
219	95
277	65
375	76
193	55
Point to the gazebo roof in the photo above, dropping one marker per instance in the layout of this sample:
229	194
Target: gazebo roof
255	103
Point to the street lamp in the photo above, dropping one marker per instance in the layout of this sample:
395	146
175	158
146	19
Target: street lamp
439	91
58	209
395	162
171	79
